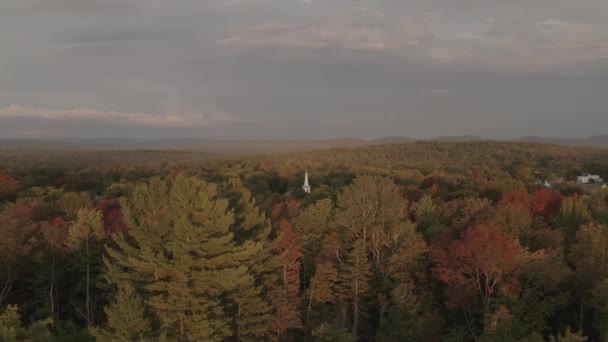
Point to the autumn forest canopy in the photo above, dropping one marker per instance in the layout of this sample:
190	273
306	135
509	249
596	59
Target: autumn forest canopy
428	241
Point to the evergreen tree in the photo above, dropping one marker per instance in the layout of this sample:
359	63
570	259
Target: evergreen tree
84	237
11	329
322	287
310	226
252	312
568	336
573	214
180	254
126	319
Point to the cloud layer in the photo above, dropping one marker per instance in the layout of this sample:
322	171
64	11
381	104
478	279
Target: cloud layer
303	69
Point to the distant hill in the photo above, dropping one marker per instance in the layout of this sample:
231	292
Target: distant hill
193	145
392	141
594	141
457	138
262	146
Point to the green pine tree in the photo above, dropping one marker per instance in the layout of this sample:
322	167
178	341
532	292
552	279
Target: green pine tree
252	311
84	237
180	254
126	319
12	330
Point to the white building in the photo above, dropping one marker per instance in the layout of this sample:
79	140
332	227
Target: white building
587	178
306	186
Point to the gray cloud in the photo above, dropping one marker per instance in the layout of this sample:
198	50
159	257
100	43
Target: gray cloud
303	69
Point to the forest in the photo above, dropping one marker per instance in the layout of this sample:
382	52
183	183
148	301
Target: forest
427	241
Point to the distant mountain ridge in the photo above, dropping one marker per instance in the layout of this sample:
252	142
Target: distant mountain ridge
262	146
593	141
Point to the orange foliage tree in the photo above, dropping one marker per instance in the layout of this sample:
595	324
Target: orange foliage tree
285	295
517	198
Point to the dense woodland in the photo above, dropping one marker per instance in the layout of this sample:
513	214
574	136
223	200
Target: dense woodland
413	242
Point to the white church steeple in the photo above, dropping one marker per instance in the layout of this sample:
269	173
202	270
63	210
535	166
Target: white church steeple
306	186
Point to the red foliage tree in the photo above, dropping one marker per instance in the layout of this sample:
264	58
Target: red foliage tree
428	183
485	262
546	203
112	216
8	185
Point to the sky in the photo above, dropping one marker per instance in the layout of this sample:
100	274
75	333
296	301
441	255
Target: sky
303	69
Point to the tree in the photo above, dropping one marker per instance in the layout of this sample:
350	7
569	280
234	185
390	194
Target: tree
519	199
573	213
589	254
18	239
568	336
599	302
72	202
12	330
546	203
375	229
326	333
253	312
84	237
285	295
310	226
112	216
322	287
126	319
371	216
287	208
8	186
54	234
355	279
515	220
542	291
373	211
425	212
183	259
485	262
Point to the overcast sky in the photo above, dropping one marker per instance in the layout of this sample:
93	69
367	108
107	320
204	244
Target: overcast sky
303	68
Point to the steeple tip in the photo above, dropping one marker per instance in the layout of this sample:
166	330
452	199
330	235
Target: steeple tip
306	186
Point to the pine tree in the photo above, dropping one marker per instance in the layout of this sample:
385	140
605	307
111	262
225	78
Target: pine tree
310	226
126	319
573	214
253	311
84	237
425	212
12	330
568	336
180	254
322	287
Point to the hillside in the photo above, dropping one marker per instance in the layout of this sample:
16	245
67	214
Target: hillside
595	141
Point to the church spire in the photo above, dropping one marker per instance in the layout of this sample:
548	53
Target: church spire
306	186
